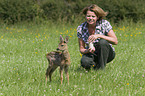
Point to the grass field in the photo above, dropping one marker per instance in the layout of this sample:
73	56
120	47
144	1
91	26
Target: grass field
23	63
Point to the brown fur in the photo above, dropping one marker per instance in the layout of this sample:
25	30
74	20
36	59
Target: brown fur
59	58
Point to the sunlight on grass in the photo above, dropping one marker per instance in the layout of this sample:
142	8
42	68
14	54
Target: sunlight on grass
23	63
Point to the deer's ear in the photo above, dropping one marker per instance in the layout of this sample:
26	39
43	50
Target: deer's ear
66	39
61	39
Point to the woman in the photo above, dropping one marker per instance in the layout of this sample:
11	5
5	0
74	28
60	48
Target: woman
100	33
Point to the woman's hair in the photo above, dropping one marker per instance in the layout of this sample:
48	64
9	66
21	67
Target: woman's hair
97	10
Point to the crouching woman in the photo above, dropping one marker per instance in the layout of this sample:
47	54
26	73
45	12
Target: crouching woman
98	32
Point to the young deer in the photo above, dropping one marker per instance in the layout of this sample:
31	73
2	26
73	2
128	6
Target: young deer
59	58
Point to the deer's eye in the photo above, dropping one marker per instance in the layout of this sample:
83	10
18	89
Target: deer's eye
62	45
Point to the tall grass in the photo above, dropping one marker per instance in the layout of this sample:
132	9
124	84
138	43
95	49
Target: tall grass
23	63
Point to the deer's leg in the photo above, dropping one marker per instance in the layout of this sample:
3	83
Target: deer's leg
67	75
51	71
47	72
61	73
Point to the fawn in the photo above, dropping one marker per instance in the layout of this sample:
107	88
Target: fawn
60	58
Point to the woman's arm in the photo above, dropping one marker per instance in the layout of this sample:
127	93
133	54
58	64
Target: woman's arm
111	37
82	46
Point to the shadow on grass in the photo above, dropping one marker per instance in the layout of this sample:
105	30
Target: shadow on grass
81	69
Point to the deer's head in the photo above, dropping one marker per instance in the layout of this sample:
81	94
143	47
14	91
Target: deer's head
63	44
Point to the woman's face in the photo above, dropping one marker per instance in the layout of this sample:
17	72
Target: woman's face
91	18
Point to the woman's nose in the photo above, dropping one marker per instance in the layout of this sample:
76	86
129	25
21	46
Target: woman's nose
91	17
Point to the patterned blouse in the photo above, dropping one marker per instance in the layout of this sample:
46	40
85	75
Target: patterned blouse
102	27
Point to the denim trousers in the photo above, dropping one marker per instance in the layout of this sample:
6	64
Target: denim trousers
103	54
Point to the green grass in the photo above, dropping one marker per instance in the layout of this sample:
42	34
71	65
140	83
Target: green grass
23	63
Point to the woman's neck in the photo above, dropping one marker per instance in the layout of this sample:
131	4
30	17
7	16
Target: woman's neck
91	29
92	26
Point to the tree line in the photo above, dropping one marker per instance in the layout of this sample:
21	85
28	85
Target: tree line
12	11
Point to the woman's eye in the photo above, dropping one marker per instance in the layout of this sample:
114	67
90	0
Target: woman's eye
91	16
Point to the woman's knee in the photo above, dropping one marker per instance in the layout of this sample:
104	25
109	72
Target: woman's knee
103	42
87	62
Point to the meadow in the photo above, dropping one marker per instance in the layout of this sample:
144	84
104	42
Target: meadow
23	64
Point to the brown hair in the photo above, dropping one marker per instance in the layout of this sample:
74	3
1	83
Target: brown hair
96	9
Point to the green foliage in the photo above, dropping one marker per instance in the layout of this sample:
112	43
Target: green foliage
125	9
17	10
68	10
60	11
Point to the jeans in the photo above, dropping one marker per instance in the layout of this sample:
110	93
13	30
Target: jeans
103	54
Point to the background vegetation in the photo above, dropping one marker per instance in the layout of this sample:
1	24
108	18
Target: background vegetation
12	11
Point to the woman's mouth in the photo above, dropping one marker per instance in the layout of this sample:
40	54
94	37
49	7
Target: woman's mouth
90	21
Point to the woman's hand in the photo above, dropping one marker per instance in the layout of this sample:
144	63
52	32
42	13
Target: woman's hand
91	47
83	50
92	38
91	50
